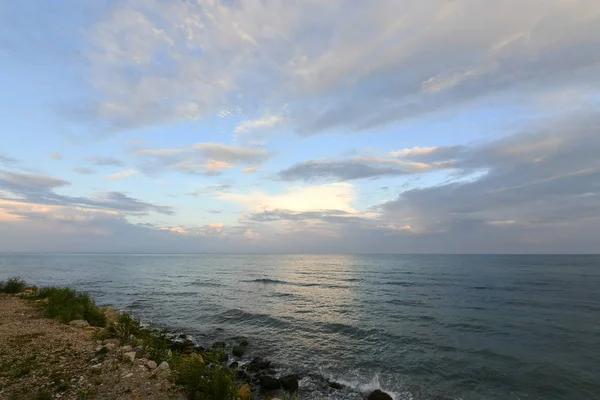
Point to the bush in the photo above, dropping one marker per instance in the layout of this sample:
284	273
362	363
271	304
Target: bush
12	285
124	327
67	304
157	344
208	380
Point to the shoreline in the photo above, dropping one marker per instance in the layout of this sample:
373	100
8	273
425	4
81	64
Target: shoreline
156	357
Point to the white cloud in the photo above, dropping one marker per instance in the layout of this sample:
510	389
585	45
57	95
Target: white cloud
336	197
122	174
264	122
415	151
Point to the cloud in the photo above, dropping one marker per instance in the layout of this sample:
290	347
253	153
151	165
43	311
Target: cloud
231	154
102	161
6	160
204	158
358	168
256	56
26	189
264	122
539	183
56	156
122	174
251	170
83	170
336	196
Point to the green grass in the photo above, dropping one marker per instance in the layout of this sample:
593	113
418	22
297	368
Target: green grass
12	285
210	380
156	344
66	304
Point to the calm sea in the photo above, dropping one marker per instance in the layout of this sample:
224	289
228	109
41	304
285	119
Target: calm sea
422	327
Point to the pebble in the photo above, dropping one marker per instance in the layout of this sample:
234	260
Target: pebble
151	364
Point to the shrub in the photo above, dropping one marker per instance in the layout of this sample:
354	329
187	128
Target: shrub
208	380
124	327
67	304
156	344
12	285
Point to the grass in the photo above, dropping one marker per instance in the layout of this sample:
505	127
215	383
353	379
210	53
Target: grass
208	380
66	304
12	285
124	327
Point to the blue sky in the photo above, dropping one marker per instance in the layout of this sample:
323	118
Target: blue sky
313	126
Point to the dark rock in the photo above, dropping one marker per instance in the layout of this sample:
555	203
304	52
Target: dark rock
258	364
268	382
243	375
182	336
379	395
219	345
234	365
139	352
289	383
244	343
335	385
199	349
238	351
184	347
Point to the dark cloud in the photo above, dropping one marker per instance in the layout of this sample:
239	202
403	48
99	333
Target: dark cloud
358	168
39	189
83	170
533	184
102	161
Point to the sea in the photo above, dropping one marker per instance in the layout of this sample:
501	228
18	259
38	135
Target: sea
416	326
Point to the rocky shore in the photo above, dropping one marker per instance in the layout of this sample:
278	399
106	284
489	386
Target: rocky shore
42	358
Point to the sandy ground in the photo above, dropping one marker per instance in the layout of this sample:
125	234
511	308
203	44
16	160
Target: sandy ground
41	358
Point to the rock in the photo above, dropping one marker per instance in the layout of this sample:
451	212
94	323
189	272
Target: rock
30	291
238	351
126	349
130	355
163	366
219	345
258	364
198	357
110	346
245	392
116	342
110	313
79	323
289	383
91	328
234	365
139	352
379	395
99	342
268	382
244	343
185	346
151	365
96	367
335	385
242	375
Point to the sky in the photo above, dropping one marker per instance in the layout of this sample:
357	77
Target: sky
315	126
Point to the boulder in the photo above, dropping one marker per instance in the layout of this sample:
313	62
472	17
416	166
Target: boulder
163	366
245	392
335	385
110	313
238	351
79	323
379	395
116	342
234	365
258	364
244	343
139	351
269	383
198	357
126	349
289	383
151	365
110	346
91	328
30	291
242	375
130	355
219	345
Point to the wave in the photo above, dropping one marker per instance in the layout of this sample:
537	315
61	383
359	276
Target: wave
239	317
268	281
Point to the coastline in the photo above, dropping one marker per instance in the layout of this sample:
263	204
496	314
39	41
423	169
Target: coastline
75	360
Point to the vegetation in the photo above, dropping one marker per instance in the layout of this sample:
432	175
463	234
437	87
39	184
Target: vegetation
124	327
156	344
206	379
67	304
12	285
